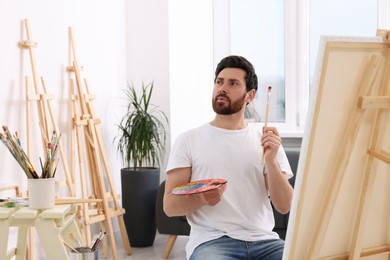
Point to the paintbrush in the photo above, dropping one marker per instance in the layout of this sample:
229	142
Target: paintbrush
94	239
71	247
14	146
50	156
47	166
266	114
25	158
98	240
55	169
267	106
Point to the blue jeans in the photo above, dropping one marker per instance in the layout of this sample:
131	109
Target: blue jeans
227	248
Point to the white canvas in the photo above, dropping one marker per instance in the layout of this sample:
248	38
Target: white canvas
341	198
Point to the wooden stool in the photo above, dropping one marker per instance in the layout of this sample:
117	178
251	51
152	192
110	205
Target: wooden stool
53	226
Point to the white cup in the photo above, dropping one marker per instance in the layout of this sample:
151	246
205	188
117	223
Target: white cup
42	193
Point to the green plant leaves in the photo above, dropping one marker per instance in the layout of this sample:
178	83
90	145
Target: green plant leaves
141	132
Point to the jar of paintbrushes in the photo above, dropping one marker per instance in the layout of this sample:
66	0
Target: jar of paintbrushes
42	188
86	252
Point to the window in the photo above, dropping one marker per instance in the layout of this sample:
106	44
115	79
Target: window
257	33
266	33
350	18
274	35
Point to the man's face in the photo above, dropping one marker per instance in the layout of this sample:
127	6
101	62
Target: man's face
229	95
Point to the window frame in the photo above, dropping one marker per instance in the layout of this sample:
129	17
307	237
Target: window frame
296	59
384	14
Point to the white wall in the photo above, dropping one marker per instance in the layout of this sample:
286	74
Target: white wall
99	28
148	53
168	43
191	63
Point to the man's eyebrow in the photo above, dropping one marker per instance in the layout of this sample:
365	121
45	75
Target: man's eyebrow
227	79
234	80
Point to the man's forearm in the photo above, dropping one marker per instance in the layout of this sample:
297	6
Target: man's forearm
279	188
180	205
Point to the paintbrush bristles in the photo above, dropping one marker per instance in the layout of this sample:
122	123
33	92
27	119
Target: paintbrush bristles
12	142
14	146
48	170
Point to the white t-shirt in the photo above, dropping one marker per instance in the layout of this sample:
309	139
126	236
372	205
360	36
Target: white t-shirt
245	210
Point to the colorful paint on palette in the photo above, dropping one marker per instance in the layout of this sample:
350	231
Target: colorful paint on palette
198	186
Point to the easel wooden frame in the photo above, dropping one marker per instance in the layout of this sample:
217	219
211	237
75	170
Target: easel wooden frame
319	201
86	120
44	107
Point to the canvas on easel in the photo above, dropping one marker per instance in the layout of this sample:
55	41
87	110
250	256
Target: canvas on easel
341	206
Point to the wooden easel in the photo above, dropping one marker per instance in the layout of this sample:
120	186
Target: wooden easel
372	97
341	162
86	125
47	121
379	104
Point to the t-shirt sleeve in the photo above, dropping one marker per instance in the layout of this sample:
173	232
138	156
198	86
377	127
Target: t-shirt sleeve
284	164
179	156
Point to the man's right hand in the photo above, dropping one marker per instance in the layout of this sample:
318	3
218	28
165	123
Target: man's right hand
212	197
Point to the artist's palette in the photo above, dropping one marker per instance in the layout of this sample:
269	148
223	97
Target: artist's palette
198	186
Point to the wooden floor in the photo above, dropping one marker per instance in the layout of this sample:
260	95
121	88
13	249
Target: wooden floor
154	252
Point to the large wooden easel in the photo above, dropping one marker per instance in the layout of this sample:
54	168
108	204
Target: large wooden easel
84	119
47	122
86	126
341	204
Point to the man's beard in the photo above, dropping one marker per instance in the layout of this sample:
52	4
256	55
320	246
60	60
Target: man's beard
230	108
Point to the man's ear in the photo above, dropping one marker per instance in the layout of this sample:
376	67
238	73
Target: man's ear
251	95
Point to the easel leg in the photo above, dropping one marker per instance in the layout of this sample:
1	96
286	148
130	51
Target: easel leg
105	244
125	237
87	228
111	237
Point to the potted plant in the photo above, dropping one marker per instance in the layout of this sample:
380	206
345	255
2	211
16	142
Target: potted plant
141	142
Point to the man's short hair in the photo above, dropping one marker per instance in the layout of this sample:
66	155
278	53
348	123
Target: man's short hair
239	62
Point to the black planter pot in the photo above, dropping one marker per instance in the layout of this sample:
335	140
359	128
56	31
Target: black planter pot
139	193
